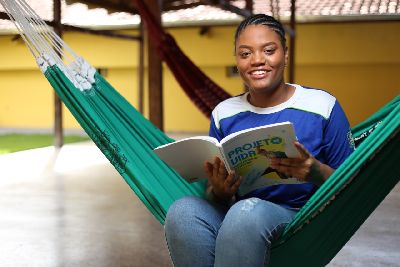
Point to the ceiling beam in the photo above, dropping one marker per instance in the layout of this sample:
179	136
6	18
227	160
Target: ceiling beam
226	5
171	7
4	15
249	5
120	6
106	33
67	27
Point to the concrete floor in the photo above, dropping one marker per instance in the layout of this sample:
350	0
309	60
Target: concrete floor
69	207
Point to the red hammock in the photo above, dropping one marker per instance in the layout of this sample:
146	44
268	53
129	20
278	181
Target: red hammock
202	91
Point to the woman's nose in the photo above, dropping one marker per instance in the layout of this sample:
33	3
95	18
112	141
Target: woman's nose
258	58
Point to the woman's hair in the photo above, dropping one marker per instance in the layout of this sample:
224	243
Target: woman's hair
262	19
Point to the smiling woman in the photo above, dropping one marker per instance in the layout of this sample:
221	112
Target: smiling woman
17	142
235	230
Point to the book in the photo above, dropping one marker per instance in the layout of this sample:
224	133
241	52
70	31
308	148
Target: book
248	152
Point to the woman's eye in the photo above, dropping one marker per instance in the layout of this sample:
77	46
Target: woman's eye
269	51
244	54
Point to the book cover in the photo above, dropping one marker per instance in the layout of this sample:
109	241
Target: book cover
248	152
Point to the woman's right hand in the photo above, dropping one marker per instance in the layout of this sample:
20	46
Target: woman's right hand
224	184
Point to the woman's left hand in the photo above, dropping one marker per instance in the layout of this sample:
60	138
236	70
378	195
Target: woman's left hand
304	168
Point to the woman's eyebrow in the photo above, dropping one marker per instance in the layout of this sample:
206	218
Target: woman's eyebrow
245	46
263	45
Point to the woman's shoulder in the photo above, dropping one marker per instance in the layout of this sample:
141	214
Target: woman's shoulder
312	92
232	100
314	100
230	106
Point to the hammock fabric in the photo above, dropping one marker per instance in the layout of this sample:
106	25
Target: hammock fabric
200	89
127	139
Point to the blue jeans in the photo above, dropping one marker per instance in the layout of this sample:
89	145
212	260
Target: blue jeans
201	233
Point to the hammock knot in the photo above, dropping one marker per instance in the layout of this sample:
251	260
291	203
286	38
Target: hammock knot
83	74
44	61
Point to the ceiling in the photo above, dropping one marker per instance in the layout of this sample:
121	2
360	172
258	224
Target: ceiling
280	8
165	5
117	14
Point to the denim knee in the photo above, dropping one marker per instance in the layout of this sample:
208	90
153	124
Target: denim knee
254	216
241	218
182	211
191	228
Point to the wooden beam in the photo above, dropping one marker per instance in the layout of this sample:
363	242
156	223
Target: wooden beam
112	6
249	5
155	74
171	7
141	71
66	27
58	122
225	5
292	46
106	33
4	15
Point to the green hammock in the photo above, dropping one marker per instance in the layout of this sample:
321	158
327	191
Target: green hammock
127	139
318	231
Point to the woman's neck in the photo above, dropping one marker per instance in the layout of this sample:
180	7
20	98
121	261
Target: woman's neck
265	99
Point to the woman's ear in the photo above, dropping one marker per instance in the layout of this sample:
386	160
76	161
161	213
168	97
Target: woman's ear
286	55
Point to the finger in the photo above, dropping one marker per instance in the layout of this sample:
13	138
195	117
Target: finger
288	162
208	167
286	170
236	184
216	166
230	179
221	162
301	173
302	150
222	172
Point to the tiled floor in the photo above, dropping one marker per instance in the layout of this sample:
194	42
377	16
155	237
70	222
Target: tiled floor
69	207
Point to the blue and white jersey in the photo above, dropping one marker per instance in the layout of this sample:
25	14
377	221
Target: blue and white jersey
320	125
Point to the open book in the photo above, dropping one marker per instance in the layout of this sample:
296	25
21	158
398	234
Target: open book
248	152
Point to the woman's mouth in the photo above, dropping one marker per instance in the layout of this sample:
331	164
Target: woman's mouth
258	74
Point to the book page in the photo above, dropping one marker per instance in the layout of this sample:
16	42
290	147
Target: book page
187	156
249	153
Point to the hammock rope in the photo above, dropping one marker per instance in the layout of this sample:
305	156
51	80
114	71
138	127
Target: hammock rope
127	139
47	47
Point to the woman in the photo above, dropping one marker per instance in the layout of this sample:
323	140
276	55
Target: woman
227	230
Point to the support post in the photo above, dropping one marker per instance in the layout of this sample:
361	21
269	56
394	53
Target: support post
155	74
141	70
58	123
292	47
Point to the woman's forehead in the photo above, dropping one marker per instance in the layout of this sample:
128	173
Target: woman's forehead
257	33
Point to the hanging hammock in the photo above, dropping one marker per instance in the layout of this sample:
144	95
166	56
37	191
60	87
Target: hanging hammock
200	89
127	139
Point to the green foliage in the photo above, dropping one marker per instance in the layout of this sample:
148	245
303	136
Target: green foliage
17	142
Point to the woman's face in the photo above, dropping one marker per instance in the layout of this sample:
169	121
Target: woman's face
260	58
